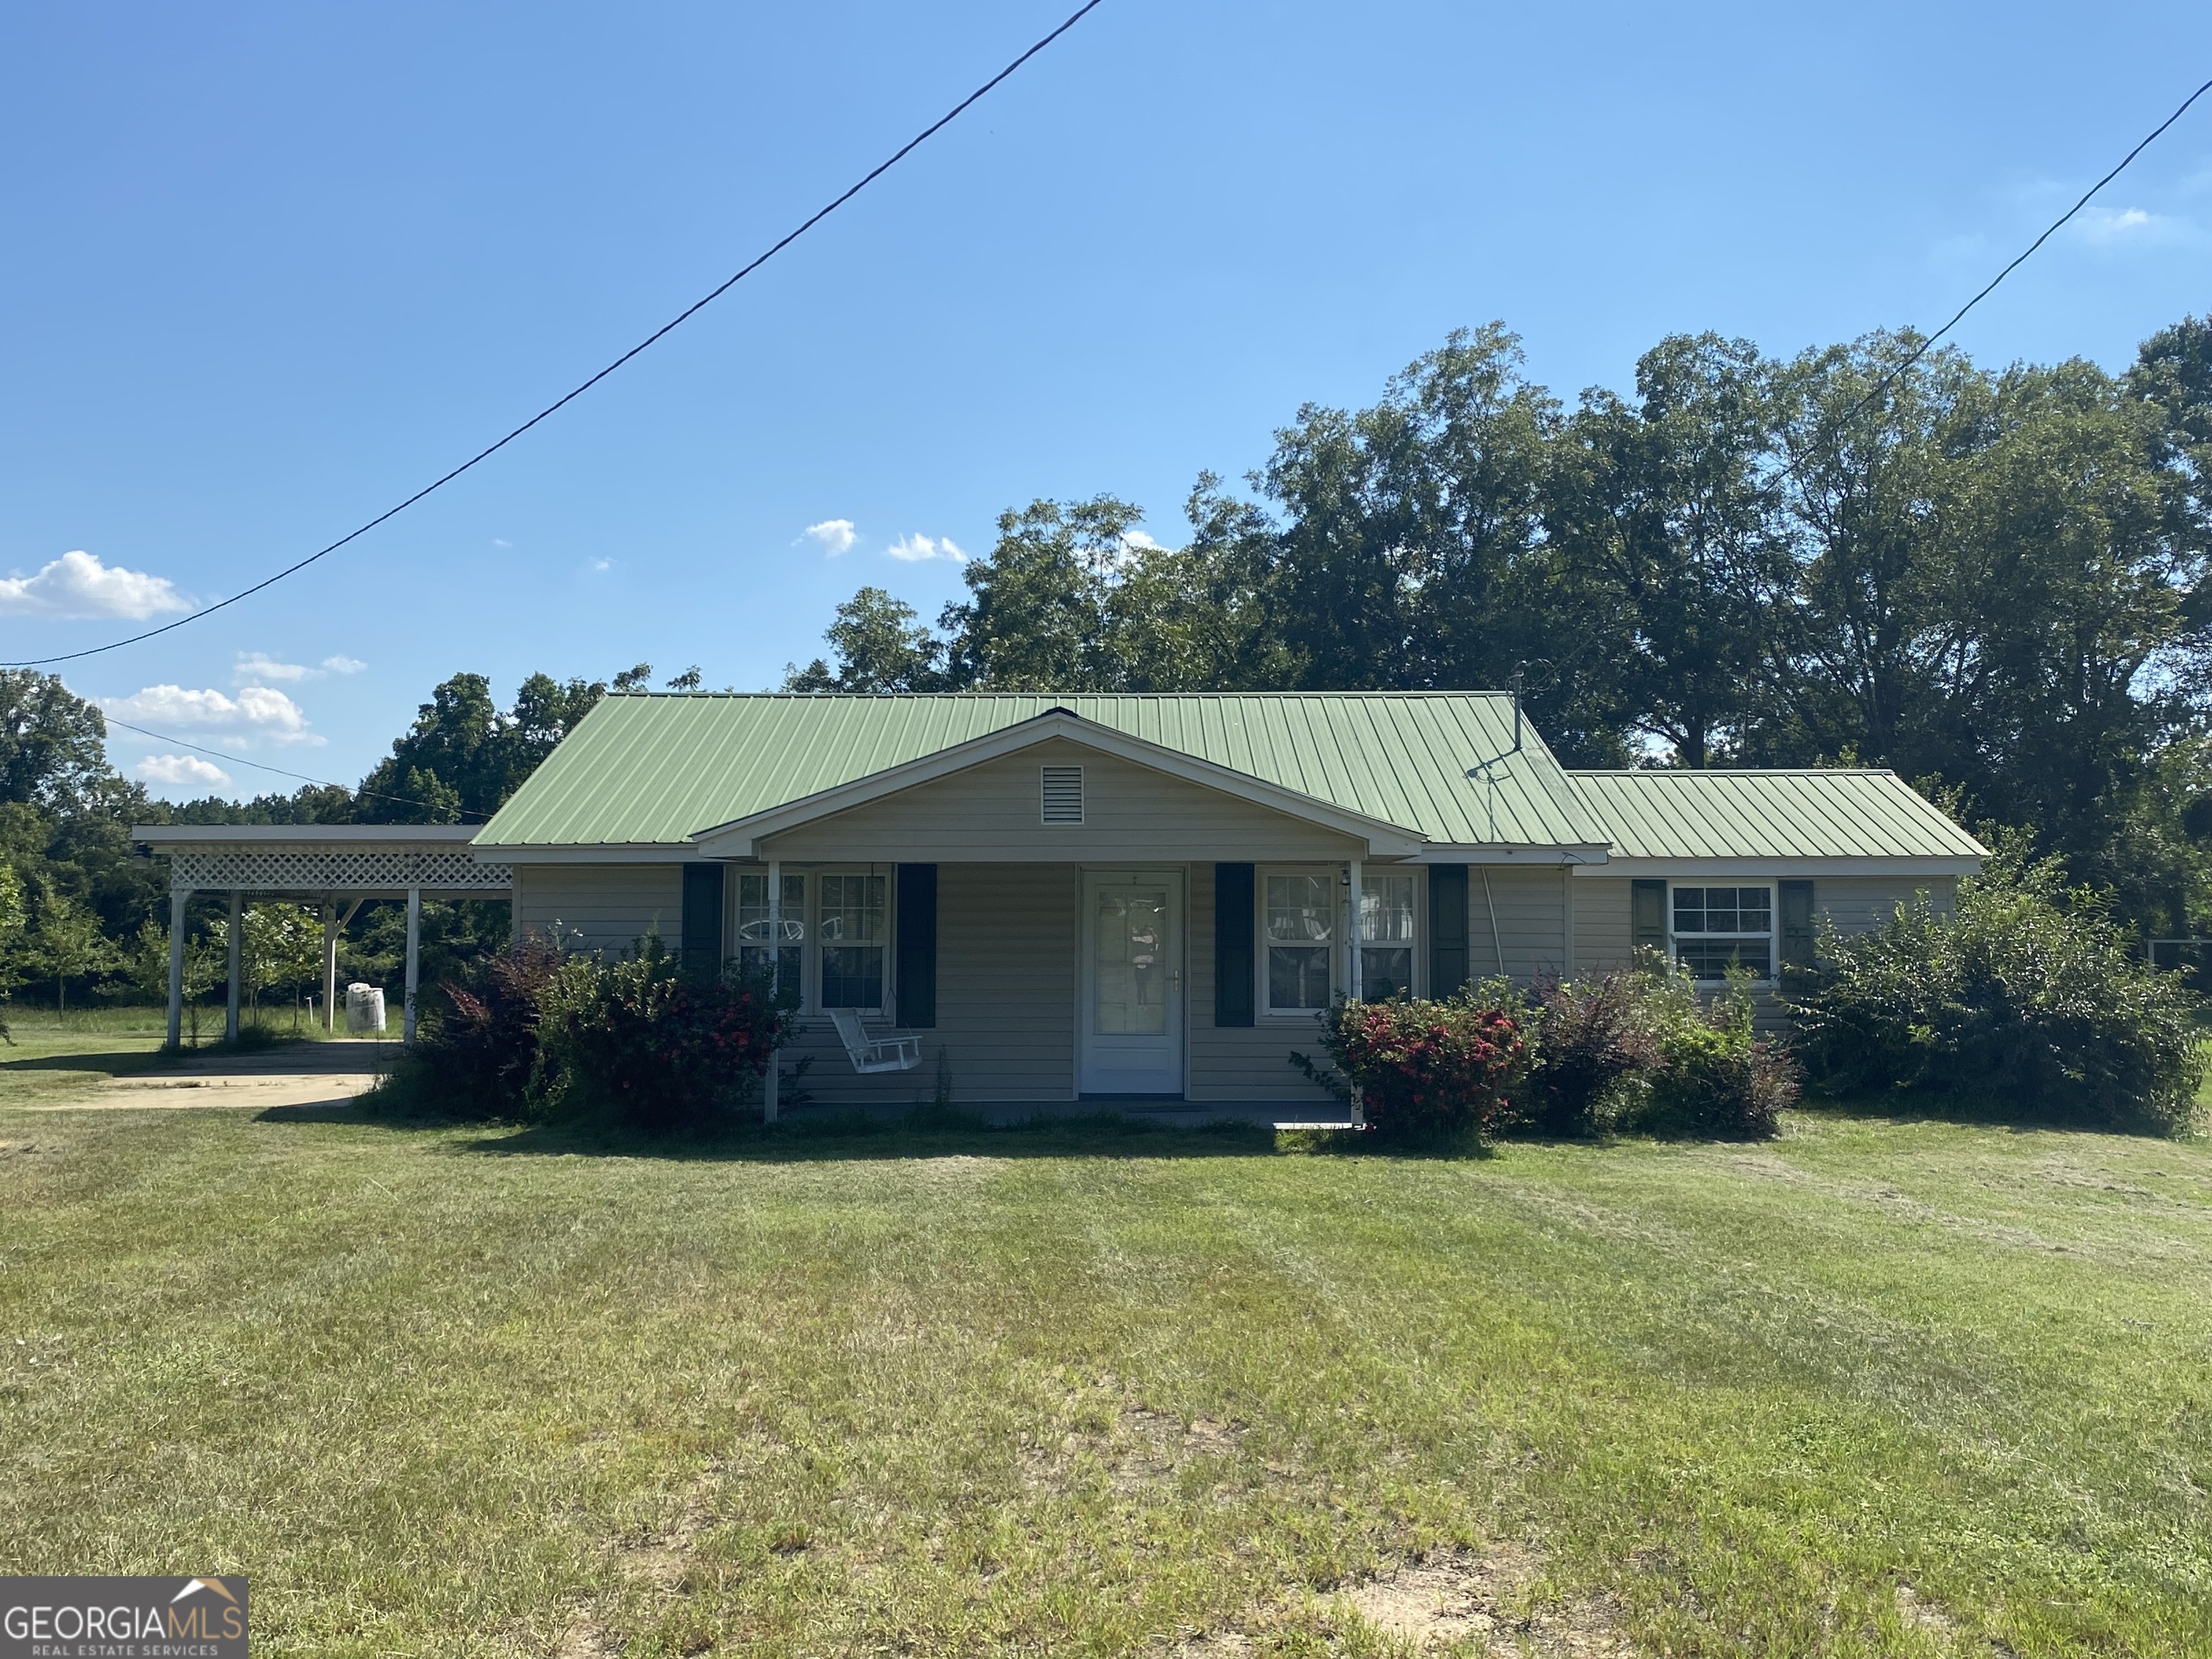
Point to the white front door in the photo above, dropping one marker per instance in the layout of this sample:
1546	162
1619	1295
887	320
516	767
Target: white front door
1130	1023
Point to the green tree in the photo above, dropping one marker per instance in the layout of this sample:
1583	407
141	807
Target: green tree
52	752
66	942
1669	506
879	644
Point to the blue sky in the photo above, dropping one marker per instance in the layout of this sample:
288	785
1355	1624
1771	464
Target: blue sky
270	269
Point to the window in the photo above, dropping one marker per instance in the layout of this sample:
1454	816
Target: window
1717	926
760	944
1386	937
853	935
1061	799
1301	929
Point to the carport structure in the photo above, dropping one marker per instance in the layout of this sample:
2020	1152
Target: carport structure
338	866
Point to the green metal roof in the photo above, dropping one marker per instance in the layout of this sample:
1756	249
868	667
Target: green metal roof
1776	814
655	768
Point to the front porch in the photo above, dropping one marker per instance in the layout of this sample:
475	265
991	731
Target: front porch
1028	986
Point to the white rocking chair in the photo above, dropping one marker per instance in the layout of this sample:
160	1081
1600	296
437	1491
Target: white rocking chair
870	1054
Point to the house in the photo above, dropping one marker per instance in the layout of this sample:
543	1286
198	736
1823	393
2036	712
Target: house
1127	897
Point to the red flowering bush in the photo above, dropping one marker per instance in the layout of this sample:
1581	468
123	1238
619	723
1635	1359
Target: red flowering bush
660	1049
1426	1066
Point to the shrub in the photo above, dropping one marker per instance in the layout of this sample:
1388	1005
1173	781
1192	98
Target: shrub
1426	1066
2024	996
660	1049
1714	1077
482	1057
1594	1049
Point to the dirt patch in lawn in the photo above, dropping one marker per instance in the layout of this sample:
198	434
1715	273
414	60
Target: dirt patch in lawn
1468	1600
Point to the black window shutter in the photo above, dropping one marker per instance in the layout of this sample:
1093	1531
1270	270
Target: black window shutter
1796	923
702	918
1234	976
917	946
1648	915
1447	928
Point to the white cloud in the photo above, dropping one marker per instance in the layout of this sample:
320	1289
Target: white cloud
261	711
79	585
179	769
599	564
499	542
254	667
1137	542
258	667
833	535
914	548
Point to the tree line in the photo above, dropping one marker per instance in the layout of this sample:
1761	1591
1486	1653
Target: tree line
1993	580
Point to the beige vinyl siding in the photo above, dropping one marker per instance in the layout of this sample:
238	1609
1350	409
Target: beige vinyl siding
1531	910
1131	813
1233	1064
600	906
1605	936
1859	904
1006	940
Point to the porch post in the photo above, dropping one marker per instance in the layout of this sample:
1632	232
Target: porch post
769	1084
414	945
1355	979
230	1009
180	898
329	965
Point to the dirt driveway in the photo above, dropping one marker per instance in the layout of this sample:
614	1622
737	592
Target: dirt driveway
294	1074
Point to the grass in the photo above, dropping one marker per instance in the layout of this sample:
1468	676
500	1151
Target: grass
1096	1390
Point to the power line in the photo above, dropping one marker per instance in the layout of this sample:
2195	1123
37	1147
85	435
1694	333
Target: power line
240	760
682	316
1926	345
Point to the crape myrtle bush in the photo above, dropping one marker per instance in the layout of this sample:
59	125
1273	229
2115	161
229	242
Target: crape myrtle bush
2026	997
1639	1050
535	1033
1426	1067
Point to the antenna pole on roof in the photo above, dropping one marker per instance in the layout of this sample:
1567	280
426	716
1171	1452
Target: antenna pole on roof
1519	669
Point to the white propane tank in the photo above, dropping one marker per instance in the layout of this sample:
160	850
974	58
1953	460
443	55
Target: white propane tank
364	1009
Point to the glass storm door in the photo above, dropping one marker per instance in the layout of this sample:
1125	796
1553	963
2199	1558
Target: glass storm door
1131	1018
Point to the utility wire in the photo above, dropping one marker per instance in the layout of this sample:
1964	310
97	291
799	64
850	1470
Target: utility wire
1926	345
324	783
682	316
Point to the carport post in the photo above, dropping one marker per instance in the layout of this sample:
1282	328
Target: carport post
230	1008
330	966
414	946
180	898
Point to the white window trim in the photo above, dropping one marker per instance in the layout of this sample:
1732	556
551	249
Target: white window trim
888	942
1420	943
1772	936
810	1006
1334	874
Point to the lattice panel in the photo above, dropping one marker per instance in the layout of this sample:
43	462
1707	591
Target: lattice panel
331	869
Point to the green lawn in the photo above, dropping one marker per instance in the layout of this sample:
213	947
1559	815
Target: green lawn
1881	1387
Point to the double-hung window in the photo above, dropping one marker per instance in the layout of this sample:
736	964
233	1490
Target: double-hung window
1719	927
1386	937
1301	937
778	943
852	933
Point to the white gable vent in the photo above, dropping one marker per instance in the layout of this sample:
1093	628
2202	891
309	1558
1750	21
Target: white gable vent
1063	795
